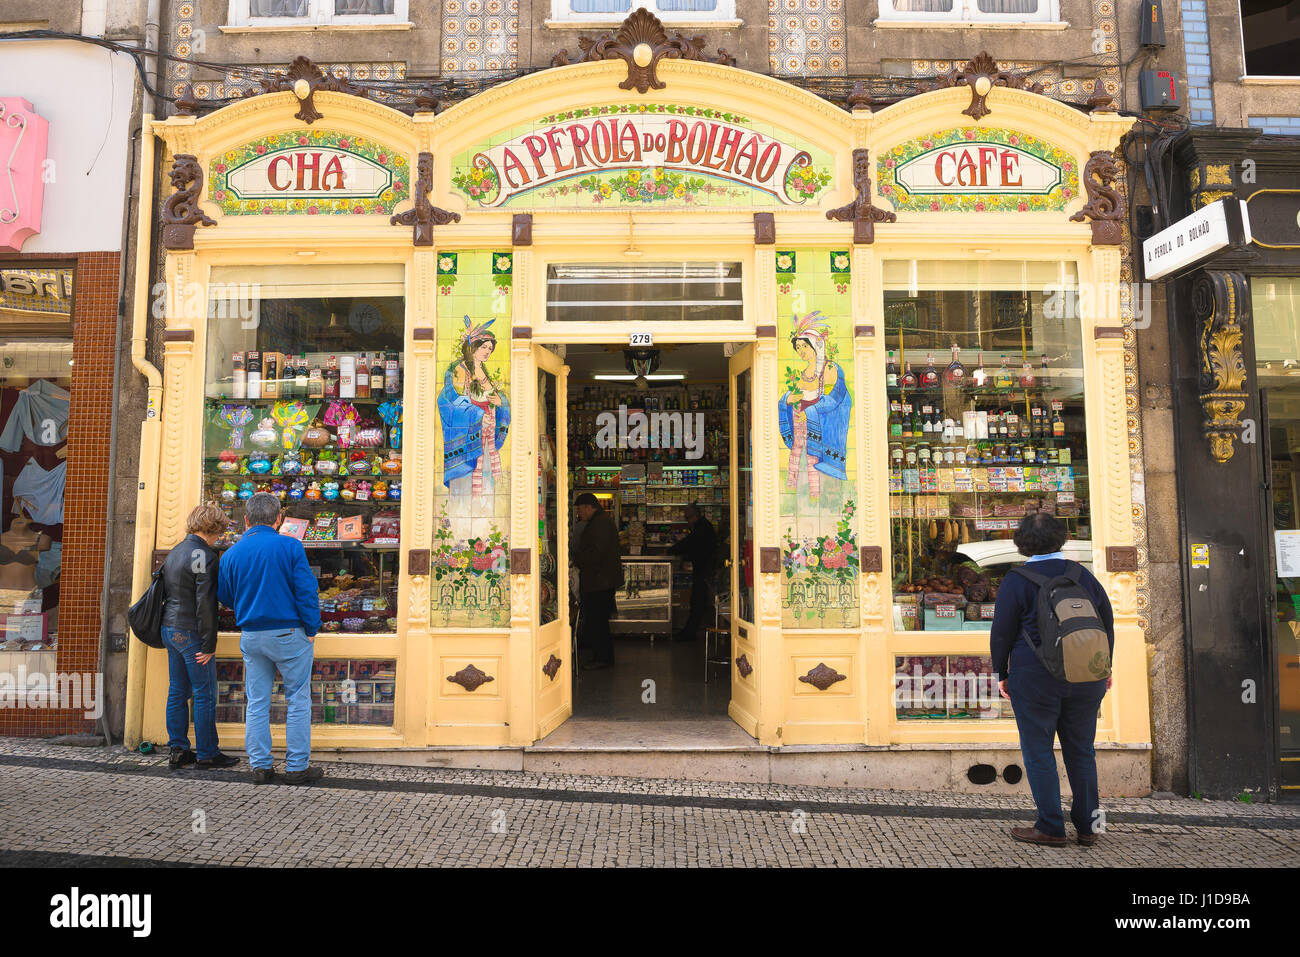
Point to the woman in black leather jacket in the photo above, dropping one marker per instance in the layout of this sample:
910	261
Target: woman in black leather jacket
189	630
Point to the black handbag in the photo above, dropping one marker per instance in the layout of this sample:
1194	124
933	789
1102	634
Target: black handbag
145	616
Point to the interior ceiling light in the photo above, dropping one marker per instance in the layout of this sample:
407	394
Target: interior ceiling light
652	377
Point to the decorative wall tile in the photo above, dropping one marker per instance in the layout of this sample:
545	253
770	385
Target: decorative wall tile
480	36
807	37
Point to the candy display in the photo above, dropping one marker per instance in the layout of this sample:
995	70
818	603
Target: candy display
973	450
322	433
343	691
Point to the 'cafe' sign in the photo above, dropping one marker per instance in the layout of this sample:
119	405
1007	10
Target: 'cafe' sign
976	168
671	141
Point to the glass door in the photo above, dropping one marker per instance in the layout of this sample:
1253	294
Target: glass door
554	650
1281	407
744	636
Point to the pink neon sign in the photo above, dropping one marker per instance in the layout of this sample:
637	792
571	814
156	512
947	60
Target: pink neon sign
23	140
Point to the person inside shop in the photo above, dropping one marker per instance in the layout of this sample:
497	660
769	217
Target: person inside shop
1046	707
266	579
600	575
699	547
189	632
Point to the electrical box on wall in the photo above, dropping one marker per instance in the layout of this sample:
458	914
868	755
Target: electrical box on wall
1151	29
1158	90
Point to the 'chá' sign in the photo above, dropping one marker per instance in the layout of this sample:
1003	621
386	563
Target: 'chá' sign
308	172
656	153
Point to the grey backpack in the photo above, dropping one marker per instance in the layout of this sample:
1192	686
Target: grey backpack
1074	645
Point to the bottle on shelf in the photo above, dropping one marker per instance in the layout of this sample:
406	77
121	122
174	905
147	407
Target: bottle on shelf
270	375
1027	378
1058	424
979	377
332	378
253	375
301	377
239	381
363	377
315	383
891	372
377	375
1003	381
347	377
392	375
909	379
955	374
929	375
895	420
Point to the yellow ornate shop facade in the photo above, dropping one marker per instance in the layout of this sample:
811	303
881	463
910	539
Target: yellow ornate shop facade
945	271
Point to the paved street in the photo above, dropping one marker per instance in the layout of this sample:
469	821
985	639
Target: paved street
83	807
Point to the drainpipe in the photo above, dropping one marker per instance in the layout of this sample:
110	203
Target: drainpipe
146	498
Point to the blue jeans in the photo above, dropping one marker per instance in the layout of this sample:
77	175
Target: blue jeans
1046	708
190	679
291	652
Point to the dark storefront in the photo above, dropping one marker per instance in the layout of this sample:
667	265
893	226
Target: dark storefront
1235	349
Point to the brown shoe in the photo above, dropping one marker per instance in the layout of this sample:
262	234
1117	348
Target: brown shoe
1031	835
1087	840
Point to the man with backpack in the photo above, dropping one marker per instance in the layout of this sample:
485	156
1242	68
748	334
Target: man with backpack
1052	640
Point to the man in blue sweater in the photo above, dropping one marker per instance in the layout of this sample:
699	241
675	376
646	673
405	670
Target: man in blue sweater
265	578
1046	707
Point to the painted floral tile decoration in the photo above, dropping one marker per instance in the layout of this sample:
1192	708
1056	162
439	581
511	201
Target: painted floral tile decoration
901	199
231	160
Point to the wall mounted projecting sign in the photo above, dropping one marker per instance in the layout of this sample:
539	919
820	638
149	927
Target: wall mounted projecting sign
1195	238
309	172
23	140
651	153
976	169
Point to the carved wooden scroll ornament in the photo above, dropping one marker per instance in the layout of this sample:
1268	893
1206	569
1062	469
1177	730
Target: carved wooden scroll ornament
1105	206
424	215
180	211
303	79
860	212
981	74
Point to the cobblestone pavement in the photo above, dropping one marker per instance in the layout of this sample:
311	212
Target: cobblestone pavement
93	806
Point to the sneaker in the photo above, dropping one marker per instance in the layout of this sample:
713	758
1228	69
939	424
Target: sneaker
305	776
180	758
217	762
263	775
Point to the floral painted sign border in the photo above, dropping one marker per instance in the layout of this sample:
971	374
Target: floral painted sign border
661	154
1055	199
364	147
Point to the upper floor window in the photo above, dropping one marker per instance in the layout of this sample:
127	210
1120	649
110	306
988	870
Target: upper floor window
968	11
1270	36
308	13
664	9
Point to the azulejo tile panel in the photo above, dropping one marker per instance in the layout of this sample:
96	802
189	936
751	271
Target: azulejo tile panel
480	36
807	37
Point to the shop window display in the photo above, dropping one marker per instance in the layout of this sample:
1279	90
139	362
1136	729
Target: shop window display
35	379
947	686
304	400
343	691
986	424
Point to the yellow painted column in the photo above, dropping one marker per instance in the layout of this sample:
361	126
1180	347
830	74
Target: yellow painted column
876	667
1110	491
520	692
770	668
418	426
182	440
